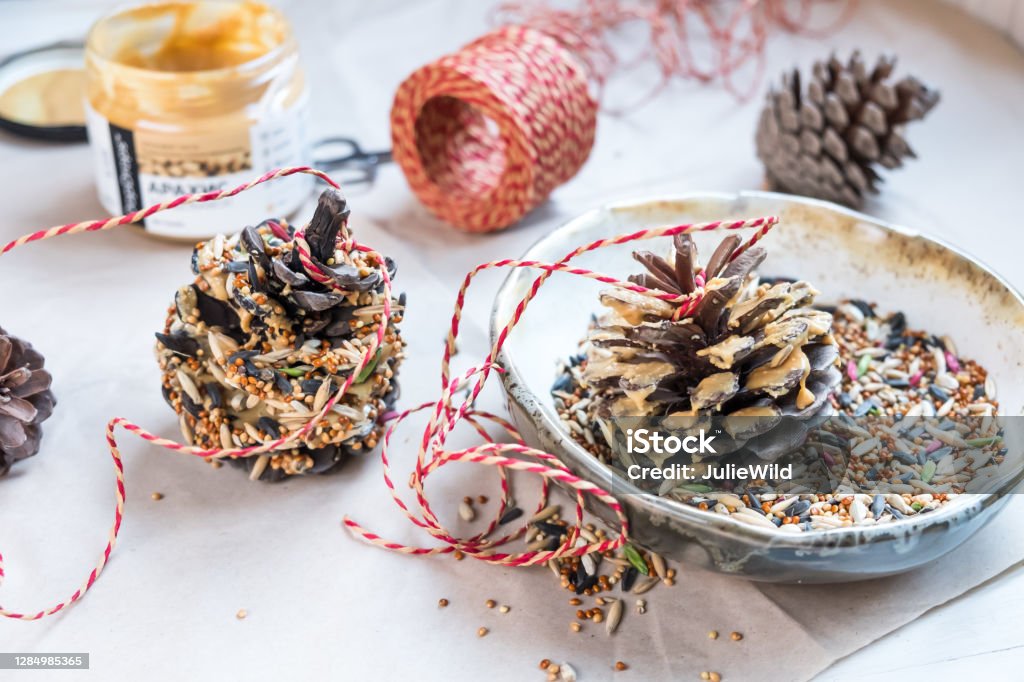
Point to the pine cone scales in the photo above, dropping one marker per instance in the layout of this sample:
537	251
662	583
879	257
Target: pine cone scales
748	349
25	400
826	140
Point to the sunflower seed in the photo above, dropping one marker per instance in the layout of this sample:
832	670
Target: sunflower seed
851	311
659	565
614	617
546	513
783	505
215	347
947	437
945	408
825	522
511	514
899	503
259	467
750	517
865	447
645	586
225	436
189	386
253	433
322	394
728	499
990	387
531	534
218	374
186	430
858	511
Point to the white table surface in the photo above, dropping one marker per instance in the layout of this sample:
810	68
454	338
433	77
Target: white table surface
965	188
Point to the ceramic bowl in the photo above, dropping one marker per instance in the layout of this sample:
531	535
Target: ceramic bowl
844	254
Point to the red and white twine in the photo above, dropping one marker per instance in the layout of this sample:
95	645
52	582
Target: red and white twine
486	133
445	414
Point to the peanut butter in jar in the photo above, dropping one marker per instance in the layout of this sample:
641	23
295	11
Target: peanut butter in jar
186	97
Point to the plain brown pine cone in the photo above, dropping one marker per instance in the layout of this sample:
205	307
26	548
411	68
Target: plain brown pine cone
826	139
25	400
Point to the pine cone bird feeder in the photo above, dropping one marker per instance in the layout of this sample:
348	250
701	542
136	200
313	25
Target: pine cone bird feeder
748	350
827	140
256	345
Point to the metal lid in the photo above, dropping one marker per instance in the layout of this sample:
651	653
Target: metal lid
42	92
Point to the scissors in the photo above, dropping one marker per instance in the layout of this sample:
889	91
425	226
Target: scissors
345	154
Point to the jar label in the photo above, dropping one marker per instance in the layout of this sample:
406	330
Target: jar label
139	168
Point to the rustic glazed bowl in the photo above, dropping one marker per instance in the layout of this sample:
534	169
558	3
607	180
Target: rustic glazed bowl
844	254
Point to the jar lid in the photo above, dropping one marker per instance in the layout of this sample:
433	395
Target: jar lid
42	92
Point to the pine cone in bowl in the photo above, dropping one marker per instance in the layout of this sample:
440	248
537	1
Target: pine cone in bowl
751	350
25	400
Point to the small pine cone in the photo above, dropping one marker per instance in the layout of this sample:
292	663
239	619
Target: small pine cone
750	349
826	140
25	400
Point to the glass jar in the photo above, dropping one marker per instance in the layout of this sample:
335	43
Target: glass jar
188	97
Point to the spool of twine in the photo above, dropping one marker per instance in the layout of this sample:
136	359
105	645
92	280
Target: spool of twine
484	135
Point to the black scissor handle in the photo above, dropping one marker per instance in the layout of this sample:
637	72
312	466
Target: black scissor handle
343	152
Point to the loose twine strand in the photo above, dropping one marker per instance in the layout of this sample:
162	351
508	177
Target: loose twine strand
736	32
445	415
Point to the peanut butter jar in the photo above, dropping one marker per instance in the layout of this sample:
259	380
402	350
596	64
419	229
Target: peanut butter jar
190	97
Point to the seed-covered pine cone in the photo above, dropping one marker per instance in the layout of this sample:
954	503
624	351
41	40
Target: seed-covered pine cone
748	350
825	140
255	347
25	400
